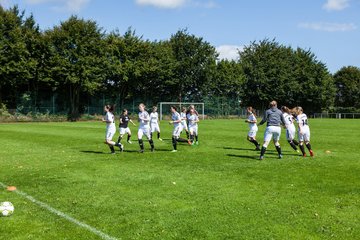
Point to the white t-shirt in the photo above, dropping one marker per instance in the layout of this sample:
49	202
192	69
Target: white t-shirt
192	118
175	117
252	118
289	119
144	119
154	117
110	120
302	120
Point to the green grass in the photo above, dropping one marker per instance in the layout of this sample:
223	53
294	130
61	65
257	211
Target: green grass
217	190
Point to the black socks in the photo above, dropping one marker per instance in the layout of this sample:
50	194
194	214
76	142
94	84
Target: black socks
278	149
301	146
263	150
308	146
174	142
158	135
151	144
119	139
112	148
292	144
128	138
141	143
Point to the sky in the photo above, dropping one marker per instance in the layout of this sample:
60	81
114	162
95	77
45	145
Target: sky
329	28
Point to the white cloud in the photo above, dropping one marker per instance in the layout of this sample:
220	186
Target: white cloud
229	52
329	27
336	5
162	3
67	5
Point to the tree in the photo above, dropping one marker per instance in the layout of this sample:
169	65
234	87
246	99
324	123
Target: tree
194	58
347	82
78	58
292	77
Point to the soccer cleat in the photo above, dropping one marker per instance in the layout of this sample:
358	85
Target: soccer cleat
152	149
189	142
197	143
257	148
304	155
121	148
311	153
280	156
173	151
297	150
261	158
141	151
112	153
129	142
160	139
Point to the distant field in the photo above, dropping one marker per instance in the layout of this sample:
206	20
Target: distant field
217	190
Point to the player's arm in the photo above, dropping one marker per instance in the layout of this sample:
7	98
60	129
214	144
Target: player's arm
132	122
264	119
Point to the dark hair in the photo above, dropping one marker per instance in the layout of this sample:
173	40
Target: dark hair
111	108
173	107
124	110
252	110
285	109
154	107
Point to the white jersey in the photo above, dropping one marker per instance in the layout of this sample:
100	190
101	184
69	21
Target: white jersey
175	117
144	119
251	118
193	120
289	119
302	120
110	120
183	117
154	118
304	130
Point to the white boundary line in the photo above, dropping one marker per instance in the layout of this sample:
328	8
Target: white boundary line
61	214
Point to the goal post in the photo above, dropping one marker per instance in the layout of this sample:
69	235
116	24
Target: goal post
165	106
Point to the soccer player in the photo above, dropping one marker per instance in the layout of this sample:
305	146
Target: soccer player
193	120
123	126
304	132
109	119
290	127
176	121
274	118
183	121
154	122
253	128
144	128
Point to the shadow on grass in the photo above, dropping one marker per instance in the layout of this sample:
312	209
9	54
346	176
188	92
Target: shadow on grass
243	156
94	152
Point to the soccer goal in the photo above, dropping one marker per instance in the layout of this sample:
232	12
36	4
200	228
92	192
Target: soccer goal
165	108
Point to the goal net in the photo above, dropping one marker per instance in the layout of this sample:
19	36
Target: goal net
165	108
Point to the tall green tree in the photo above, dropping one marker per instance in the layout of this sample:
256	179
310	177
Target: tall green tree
194	58
79	60
347	81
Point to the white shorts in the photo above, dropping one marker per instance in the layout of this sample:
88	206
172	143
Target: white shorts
184	125
252	132
272	132
144	131
177	130
124	131
290	132
305	136
109	133
154	127
193	130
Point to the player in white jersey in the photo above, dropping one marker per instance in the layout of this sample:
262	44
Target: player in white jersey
176	121
109	119
154	122
193	120
290	127
304	131
144	128
253	128
184	121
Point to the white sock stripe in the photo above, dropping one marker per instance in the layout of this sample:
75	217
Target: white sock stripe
63	215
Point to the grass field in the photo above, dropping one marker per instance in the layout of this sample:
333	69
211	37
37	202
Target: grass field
217	190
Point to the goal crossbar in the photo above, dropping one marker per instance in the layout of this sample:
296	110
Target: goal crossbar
182	104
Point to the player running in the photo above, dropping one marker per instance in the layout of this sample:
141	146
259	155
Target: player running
274	118
109	119
144	128
176	121
253	128
290	127
193	120
184	121
123	126
154	122
304	132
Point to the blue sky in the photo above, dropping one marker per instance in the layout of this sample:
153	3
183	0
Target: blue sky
330	28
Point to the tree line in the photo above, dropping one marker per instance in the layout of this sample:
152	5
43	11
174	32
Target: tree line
77	59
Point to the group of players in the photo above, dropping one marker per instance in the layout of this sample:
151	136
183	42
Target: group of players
186	121
276	118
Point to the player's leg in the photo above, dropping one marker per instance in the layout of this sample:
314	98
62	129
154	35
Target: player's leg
111	143
290	138
276	138
148	136
141	143
251	138
128	131
307	142
196	135
175	136
267	139
121	132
